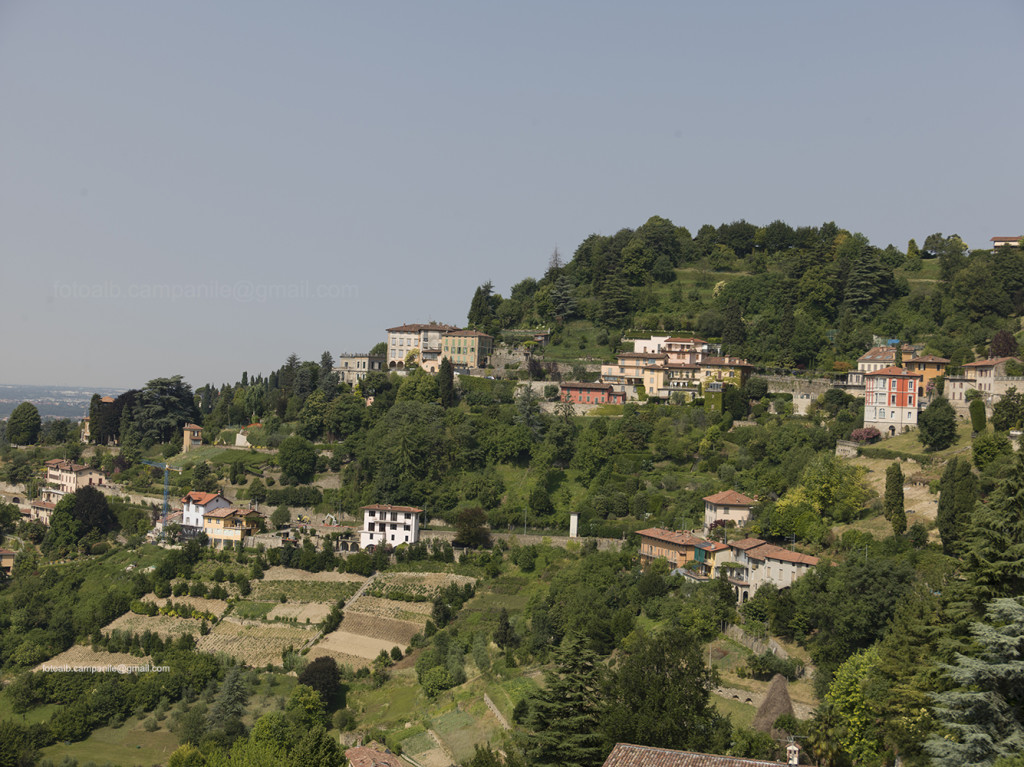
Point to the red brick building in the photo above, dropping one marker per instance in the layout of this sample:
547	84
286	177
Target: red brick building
891	400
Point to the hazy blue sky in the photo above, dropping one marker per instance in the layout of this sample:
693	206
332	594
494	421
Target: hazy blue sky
204	187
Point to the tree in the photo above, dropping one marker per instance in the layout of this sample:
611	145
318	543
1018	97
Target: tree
446	383
323	676
958	492
894	510
281	516
24	424
471	528
986	448
305	708
936	428
505	635
977	410
565	715
1004	344
659	694
994	556
983	715
92	511
297	458
1008	412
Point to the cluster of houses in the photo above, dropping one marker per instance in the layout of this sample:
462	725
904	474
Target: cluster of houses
664	368
747	564
421	344
897	382
226	526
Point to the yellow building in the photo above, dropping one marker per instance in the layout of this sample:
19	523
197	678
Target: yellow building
725	370
226	527
466	348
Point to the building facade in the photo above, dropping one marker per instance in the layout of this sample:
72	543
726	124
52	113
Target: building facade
728	507
192	437
227	527
581	393
393	525
353	368
68	476
467	348
195	505
891	401
417	343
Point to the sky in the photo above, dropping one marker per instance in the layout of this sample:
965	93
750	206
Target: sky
202	188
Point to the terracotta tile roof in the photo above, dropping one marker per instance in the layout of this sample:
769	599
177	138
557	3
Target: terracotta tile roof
713	546
892	370
730	498
725	362
193	426
990	362
627	755
65	465
107	400
373	755
45	505
879	354
229	512
926	358
678	537
746	543
7	553
584	385
1007	239
684	341
200	499
416	327
779	554
386	507
472	333
641	355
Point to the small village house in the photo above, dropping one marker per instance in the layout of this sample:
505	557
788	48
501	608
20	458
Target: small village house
891	401
228	526
581	393
68	476
728	507
195	505
393	525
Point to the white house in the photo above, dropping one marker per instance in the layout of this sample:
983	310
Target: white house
762	563
196	505
727	506
394	525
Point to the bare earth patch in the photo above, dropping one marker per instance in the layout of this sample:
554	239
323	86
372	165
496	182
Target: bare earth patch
314	612
916	498
389	584
84	656
388	630
347	643
416	612
254	645
291	574
215	606
163	625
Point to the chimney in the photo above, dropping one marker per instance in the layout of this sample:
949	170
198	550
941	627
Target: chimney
792	754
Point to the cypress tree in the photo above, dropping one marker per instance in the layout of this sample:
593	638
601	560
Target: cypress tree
977	408
894	510
958	491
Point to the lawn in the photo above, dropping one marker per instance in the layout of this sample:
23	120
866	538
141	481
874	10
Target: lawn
128	744
741	714
910	444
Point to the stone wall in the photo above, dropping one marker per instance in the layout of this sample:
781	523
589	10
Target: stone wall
804	390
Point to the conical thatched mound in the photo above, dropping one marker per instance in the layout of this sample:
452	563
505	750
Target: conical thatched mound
776	703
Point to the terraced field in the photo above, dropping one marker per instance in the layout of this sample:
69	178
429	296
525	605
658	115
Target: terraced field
252	644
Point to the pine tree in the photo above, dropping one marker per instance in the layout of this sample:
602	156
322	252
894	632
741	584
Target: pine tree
565	714
983	714
995	548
